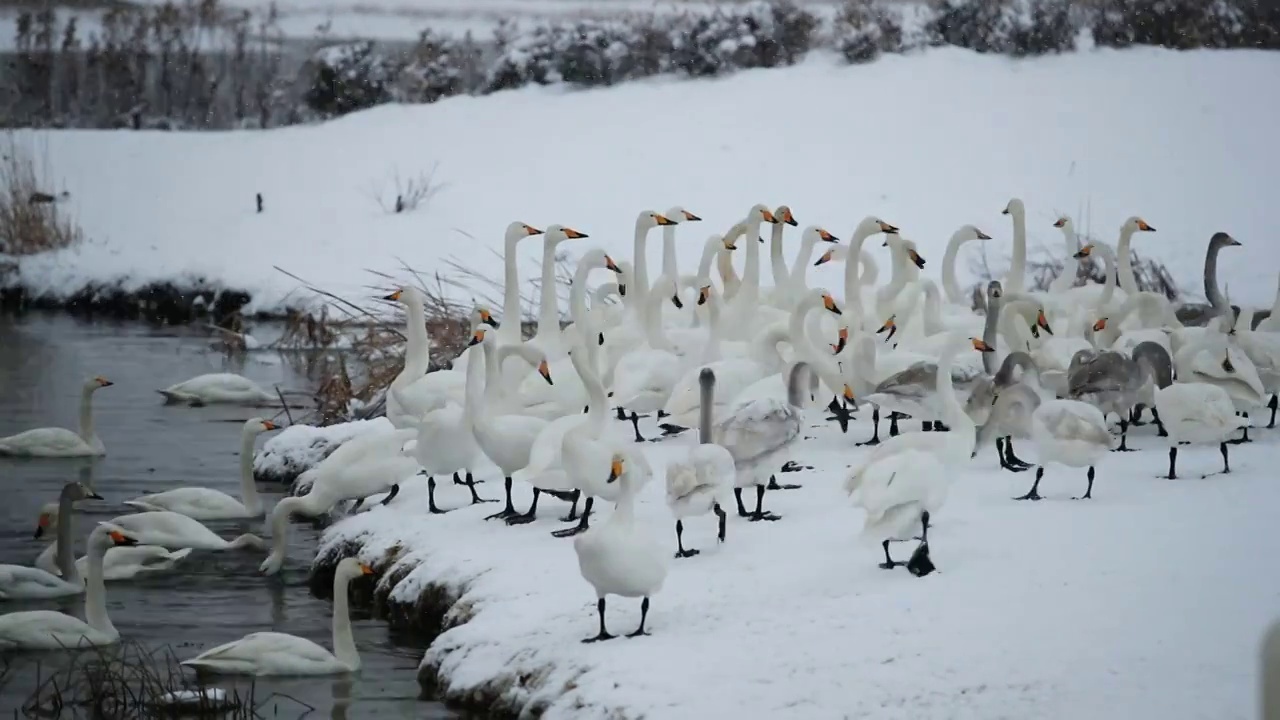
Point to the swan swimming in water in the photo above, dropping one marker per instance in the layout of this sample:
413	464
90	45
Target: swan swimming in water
55	442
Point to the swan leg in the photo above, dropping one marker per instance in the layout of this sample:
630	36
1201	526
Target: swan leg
356	506
893	424
921	563
603	634
1173	463
760	514
573	509
1088	493
635	423
742	509
395	490
644	615
840	414
527	517
671	429
1012	459
584	523
926	426
938	426
510	509
875	436
622	415
680	551
889	563
773	483
471	485
1135	415
724	520
1034	492
1275	403
1226	461
1160	431
431	497
1245	437
469	481
1124	437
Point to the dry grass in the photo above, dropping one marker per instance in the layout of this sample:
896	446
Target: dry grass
32	220
129	681
407	193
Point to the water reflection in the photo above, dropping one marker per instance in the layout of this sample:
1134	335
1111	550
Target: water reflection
210	598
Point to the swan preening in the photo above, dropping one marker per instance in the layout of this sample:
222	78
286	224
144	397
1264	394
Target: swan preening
746	362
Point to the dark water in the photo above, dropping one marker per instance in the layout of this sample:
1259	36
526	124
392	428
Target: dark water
210	598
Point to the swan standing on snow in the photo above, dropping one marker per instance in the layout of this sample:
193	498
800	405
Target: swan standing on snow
59	442
758	433
696	484
618	557
53	630
212	388
1070	432
206	504
18	582
274	653
1199	412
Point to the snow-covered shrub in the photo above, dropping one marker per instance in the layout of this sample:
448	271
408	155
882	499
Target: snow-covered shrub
865	28
1180	24
348	77
594	53
440	66
1040	27
1014	27
523	59
759	34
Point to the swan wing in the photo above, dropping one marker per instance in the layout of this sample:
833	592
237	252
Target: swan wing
44	442
758	428
20	581
197	502
267	653
48	630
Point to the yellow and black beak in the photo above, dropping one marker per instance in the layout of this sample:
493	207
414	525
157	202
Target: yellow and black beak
887	229
1226	364
1043	322
1144	227
545	371
981	346
393	296
486	317
841	341
826	257
789	219
1005	211
574	234
889	325
615	469
365	569
769	218
829	303
268	425
915	258
1083	252
103	382
663	219
1060	222
690	217
477	338
611	265
675	300
825	236
848	392
531	230
1100	325
704	294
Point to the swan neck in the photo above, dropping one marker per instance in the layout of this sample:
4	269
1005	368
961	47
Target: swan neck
473	402
706	411
248	489
66	557
549	307
86	416
510	329
596	399
654	333
950	285
280	526
777	262
95	600
669	250
990	334
852	279
417	354
1125	261
960	422
1211	291
750	288
800	267
1018	267
344	643
640	262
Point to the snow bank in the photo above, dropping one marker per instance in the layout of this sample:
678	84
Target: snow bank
297	448
928	141
1143	602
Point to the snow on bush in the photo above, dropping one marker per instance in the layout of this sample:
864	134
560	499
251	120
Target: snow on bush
1011	27
299	448
1186	24
866	28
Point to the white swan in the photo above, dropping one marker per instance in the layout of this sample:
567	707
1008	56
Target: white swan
697	484
1198	412
171	530
1016	280
19	582
274	654
417	355
120	562
210	388
549	338
509	332
1070	432
207	504
646	375
53	630
618	557
60	442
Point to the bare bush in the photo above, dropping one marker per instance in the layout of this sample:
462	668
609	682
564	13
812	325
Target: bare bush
407	193
32	218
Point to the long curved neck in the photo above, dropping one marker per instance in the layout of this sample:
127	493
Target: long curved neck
669	251
1211	291
549	308
706	412
1125	261
473	401
66	557
1110	271
709	251
932	308
248	489
86	415
1014	361
800	268
1067	278
344	644
417	350
852	280
596	399
990	333
578	299
640	261
961	424
950	285
280	525
653	332
511	319
95	599
750	289
777	261
1016	280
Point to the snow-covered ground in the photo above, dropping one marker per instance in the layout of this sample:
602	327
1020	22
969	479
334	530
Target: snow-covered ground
299	447
1148	601
927	141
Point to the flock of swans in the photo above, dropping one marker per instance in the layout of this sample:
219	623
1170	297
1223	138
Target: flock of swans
740	363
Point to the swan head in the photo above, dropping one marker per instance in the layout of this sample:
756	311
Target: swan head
679	214
783	215
560	233
825	258
1084	252
1063	223
1136	224
257	426
848	392
724	242
351	568
476	338
995	290
482	316
519	231
842	339
1100	325
96	383
1015	208
1042	322
1221	239
759	213
896	241
829	303
73	491
969	232
980	346
544	369
871	225
616	467
650	219
609	264
704	294
107	535
891	326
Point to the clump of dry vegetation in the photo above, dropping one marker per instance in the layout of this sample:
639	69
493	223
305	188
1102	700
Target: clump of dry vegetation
130	681
32	218
407	193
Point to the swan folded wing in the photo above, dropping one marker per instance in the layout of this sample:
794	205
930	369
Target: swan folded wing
906	479
758	429
189	499
917	381
1100	373
265	653
40	441
1067	425
47	629
19	581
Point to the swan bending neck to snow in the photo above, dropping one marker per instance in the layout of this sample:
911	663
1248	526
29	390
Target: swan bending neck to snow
206	504
53	630
697	484
618	557
60	442
273	653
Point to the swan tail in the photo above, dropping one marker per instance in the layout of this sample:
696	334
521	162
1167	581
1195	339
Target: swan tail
247	541
171	397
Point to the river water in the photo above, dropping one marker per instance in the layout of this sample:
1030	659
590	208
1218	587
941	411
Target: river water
210	598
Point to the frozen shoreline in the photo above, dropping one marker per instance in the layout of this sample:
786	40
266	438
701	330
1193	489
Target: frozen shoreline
1058	604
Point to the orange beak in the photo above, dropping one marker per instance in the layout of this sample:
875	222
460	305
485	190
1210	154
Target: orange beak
574	234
